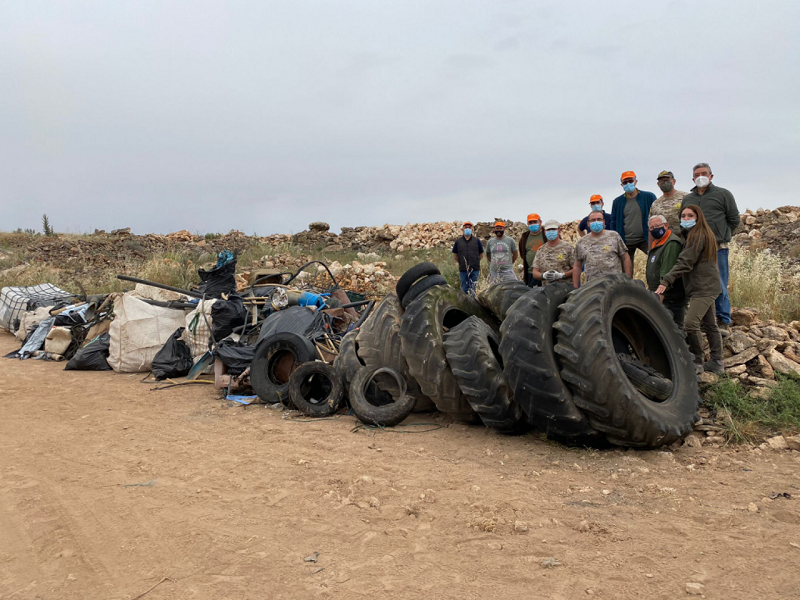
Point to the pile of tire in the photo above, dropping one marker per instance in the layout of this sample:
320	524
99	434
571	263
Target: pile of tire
600	365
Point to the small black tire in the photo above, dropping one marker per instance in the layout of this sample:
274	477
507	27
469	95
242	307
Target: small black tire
422	286
274	359
472	350
422	331
532	369
614	314
499	298
384	415
644	378
316	379
416	272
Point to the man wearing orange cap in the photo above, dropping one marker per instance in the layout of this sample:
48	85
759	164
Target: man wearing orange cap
501	252
595	203
467	252
529	244
630	212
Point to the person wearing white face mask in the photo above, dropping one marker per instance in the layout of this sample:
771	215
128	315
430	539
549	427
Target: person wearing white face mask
719	207
555	260
630	212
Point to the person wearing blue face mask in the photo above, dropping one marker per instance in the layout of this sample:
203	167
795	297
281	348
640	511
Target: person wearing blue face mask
600	253
529	244
554	260
595	203
468	252
630	212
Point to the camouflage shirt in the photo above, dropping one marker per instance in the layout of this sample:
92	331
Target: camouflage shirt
601	255
554	258
669	208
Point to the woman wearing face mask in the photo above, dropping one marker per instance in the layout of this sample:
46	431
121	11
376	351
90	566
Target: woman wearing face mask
697	265
529	245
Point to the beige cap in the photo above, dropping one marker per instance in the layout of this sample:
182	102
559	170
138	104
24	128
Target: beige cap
552	224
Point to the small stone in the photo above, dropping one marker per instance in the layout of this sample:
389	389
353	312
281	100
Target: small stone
763	382
783	365
708	377
71	577
318	226
741	358
429	496
793	442
312	558
695	589
649	575
778	443
495	546
694	440
374	502
715	439
550	562
737	370
766	369
742	317
520	527
752	507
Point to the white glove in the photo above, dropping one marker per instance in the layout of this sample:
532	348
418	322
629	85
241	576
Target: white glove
557	276
549	275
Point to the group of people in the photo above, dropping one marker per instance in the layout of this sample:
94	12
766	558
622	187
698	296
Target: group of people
684	236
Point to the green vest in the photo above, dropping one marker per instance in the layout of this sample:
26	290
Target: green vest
653	270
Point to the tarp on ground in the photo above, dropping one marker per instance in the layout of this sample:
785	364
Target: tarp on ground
138	331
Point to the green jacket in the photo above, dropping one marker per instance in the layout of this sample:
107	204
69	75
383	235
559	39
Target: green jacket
660	261
719	209
700	276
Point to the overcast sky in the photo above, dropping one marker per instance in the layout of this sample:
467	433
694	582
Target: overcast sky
263	116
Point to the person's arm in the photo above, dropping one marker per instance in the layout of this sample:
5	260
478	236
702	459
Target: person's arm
731	212
613	220
687	259
576	274
626	265
514	256
455	251
480	256
537	274
455	257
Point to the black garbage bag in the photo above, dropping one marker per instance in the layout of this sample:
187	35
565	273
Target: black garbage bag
92	357
295	319
225	315
174	359
234	355
219	280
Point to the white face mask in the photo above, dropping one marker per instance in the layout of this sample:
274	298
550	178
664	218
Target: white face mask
702	181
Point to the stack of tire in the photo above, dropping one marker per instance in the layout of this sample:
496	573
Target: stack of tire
602	364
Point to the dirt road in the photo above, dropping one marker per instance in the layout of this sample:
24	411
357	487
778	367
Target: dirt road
107	488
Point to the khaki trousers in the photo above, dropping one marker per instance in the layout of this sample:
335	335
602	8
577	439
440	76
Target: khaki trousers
701	318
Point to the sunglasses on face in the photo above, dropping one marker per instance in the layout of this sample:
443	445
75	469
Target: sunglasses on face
624	181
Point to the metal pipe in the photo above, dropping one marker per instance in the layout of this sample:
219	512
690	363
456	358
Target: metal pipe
160	285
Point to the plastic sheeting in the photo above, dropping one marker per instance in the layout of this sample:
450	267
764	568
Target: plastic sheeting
299	320
198	332
92	357
138	332
14	301
36	339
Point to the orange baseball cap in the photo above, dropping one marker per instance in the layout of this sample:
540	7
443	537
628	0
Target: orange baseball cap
627	174
467	223
499	224
596	198
534	217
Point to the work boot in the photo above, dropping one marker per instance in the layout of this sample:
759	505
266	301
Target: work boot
714	366
724	328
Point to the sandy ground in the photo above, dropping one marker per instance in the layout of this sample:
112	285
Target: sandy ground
235	498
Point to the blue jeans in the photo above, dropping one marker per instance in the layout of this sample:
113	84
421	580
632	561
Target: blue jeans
469	281
723	302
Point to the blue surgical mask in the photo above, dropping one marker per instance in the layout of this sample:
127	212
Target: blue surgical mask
533	228
468	231
629	187
551	235
597	207
688	224
596	226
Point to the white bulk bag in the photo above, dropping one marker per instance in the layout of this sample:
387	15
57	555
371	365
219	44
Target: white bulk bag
138	332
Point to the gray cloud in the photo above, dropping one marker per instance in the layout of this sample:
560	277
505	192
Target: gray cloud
263	116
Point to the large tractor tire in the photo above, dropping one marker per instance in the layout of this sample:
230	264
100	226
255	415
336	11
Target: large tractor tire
500	297
532	368
379	346
422	330
414	274
472	350
615	314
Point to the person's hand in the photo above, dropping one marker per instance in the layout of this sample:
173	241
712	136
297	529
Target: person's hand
557	276
660	290
549	275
